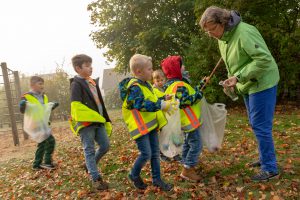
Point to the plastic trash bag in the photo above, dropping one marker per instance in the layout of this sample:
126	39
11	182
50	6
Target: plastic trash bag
171	137
36	121
213	118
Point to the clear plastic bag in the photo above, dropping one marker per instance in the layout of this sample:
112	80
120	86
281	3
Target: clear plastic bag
213	118
36	121
171	137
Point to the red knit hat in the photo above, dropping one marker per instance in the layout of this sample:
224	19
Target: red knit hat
172	67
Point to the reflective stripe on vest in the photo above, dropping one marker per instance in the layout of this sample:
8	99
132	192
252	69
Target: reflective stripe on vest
78	125
142	127
137	132
176	86
75	127
192	117
188	112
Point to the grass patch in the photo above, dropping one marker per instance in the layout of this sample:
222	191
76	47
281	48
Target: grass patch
224	174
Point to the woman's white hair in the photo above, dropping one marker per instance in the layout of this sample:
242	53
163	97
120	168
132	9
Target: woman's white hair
216	15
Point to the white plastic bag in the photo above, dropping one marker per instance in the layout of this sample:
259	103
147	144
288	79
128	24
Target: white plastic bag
213	118
36	119
171	137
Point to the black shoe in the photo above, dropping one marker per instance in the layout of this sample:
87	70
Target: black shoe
264	176
163	186
47	166
177	158
37	168
255	164
164	158
138	182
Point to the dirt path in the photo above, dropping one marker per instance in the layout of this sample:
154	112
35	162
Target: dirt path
26	148
9	151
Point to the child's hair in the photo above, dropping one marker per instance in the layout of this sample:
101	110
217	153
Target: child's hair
79	59
35	79
158	74
139	61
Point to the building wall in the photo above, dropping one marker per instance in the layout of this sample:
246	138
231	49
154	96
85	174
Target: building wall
111	80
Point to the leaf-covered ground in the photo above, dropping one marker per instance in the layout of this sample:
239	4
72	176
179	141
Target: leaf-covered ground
225	174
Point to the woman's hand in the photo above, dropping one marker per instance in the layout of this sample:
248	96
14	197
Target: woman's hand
230	82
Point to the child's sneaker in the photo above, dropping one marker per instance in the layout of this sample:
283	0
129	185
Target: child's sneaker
264	176
37	168
48	166
163	186
138	182
190	174
99	184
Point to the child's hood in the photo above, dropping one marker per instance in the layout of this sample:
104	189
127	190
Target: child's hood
172	67
123	87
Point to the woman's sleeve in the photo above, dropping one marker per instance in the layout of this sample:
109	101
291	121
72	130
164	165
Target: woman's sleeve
254	45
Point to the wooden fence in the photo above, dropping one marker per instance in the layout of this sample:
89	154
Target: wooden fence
11	119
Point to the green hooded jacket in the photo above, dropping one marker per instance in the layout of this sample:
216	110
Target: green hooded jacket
247	57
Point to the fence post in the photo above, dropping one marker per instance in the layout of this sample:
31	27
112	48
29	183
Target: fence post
10	104
18	93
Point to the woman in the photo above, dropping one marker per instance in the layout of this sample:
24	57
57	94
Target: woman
253	70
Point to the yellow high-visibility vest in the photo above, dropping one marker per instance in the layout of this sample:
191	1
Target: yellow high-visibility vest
82	116
190	115
158	93
32	99
38	113
140	123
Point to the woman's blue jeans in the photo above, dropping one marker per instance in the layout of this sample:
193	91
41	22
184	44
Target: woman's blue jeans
260	107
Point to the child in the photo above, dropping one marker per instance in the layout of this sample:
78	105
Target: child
189	113
159	80
89	117
143	116
45	148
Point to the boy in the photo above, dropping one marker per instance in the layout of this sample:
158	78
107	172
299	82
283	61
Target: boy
142	114
45	148
159	80
89	117
189	114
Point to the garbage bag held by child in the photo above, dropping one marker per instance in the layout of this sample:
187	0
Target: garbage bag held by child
213	118
171	137
36	121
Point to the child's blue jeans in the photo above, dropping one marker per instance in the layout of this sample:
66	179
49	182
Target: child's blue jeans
89	136
148	146
260	107
192	148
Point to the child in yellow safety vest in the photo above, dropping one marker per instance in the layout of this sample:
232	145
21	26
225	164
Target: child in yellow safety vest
45	148
159	79
142	113
89	118
189	98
